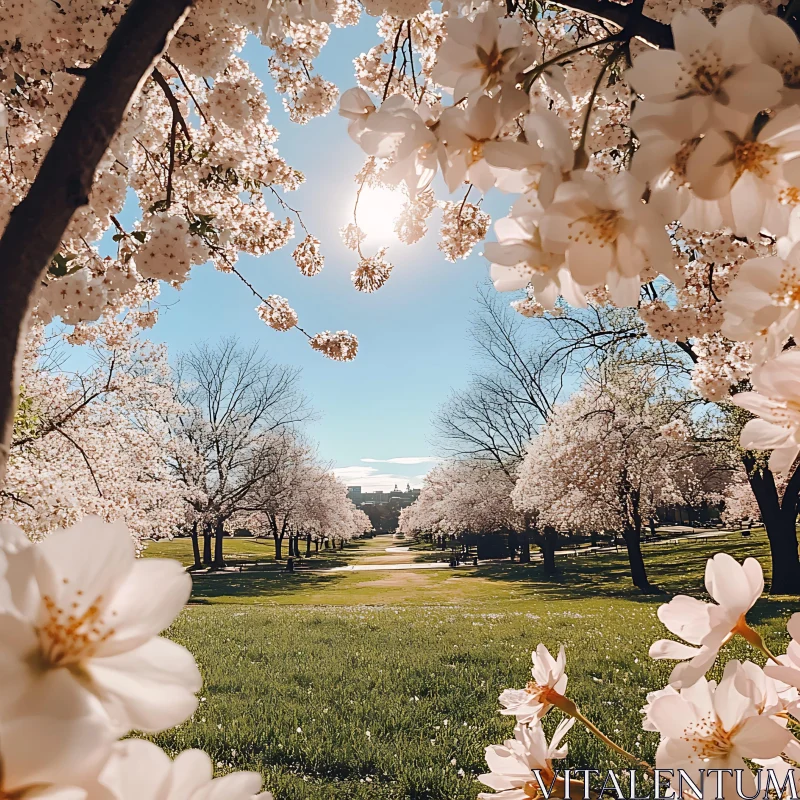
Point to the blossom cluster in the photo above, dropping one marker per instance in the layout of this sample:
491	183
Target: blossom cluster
338	345
684	202
196	146
703	725
277	313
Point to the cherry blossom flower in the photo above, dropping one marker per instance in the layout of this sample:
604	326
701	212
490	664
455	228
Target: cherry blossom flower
463	226
706	726
608	235
774	402
140	770
647	723
473	153
308	257
748	173
481	54
512	764
372	273
712	71
769	695
170	250
536	699
403	131
763	304
707	626
83	630
277	313
357	106
789	669
518	259
352	236
528	307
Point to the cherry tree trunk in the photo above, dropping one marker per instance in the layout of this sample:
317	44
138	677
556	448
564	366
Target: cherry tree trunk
196	547
524	547
633	544
207	545
64	181
278	539
513	542
548	543
779	516
308	545
219	538
316	545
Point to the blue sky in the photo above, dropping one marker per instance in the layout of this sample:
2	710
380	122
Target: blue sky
374	413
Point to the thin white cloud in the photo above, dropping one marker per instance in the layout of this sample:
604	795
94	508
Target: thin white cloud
403	460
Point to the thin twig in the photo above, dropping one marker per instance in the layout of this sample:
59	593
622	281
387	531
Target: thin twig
411	58
173	135
85	458
8	147
461	210
150	160
16	499
394	61
261	297
185	86
287	207
173	102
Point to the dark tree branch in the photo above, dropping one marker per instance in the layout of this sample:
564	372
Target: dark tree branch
85	458
173	102
37	225
657	34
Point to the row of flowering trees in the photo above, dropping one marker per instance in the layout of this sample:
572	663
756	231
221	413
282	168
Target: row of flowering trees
604	461
209	443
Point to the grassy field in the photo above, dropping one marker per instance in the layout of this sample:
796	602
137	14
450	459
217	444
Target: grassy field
384	684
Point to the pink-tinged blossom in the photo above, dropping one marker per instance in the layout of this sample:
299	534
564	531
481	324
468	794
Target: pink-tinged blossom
776	387
47	758
481	54
608	236
140	770
81	630
512	764
712	72
706	726
748	175
788	671
707	626
518	258
763	304
549	681
339	345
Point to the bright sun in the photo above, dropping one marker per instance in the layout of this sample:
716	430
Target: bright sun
378	209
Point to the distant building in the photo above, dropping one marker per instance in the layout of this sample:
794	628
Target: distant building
396	498
383	508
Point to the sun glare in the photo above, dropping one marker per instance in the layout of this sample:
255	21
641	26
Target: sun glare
378	209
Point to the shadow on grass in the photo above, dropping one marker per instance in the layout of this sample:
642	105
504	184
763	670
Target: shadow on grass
253	585
677	569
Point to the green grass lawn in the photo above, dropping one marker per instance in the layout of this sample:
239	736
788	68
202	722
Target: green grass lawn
384	684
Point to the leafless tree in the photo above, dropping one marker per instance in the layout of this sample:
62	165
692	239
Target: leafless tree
510	394
239	412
